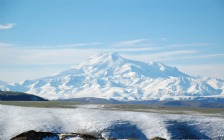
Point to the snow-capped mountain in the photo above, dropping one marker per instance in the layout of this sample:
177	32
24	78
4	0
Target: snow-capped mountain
112	76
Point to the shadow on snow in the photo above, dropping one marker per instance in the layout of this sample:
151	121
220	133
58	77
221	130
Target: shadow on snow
182	130
124	129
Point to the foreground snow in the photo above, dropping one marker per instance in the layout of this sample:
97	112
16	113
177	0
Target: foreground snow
15	120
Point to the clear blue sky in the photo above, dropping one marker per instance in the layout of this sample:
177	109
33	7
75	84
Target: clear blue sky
41	37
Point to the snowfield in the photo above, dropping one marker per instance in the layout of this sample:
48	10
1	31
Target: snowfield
114	124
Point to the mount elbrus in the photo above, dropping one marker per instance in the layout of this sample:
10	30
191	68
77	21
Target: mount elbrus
112	76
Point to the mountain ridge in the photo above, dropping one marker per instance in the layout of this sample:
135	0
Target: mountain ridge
112	76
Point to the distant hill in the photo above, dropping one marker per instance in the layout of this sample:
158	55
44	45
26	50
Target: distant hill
205	102
18	96
197	102
92	100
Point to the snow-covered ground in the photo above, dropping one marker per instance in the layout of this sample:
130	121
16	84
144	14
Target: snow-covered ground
120	124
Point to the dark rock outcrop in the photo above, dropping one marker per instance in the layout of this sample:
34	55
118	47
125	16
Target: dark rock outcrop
33	135
157	138
18	96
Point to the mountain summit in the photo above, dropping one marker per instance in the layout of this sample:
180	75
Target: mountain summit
112	76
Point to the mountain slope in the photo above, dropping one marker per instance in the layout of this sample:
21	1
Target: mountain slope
112	76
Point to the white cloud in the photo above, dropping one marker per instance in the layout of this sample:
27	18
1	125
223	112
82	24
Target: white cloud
6	26
174	55
211	70
72	54
59	54
130	43
189	45
14	54
163	39
43	56
80	44
211	55
77	45
65	46
126	50
171	53
162	56
5	45
204	56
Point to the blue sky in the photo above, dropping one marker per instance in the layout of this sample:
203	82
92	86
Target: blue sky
41	37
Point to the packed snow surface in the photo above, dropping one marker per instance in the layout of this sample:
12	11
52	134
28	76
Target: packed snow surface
112	76
114	124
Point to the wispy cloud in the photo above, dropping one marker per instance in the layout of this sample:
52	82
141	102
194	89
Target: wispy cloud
141	42
6	26
212	70
172	53
211	55
129	43
70	46
3	45
71	54
204	56
136	45
154	44
184	54
161	56
61	54
189	45
126	50
14	54
74	53
79	45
